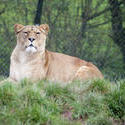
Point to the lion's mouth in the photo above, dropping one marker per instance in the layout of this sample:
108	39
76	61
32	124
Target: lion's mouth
31	45
31	48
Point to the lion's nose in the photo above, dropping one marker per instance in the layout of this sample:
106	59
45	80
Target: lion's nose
31	39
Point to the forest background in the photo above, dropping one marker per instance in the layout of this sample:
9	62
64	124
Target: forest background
93	30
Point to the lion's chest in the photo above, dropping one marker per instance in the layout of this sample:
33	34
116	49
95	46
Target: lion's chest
21	71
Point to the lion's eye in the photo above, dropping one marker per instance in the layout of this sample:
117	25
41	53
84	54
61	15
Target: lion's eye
38	33
25	32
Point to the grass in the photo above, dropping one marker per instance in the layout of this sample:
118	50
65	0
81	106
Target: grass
97	102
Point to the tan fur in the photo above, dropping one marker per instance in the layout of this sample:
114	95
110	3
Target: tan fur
38	63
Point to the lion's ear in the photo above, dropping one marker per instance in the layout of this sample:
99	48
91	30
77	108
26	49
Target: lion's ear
44	27
18	28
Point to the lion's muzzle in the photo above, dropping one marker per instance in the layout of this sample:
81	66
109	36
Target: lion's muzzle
31	48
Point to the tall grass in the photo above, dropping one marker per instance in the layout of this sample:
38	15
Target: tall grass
97	102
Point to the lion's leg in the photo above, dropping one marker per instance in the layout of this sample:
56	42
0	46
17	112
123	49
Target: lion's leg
82	73
87	73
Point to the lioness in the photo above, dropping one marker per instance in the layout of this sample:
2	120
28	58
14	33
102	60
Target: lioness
31	60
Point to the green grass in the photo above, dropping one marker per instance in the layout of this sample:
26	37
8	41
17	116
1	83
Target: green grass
97	102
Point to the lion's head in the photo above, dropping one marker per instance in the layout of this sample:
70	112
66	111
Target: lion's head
31	38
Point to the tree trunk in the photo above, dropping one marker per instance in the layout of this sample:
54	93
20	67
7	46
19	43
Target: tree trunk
85	15
118	31
38	15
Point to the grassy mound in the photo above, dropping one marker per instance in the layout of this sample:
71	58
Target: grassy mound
97	102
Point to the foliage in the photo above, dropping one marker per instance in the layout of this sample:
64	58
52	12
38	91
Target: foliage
93	102
116	101
83	28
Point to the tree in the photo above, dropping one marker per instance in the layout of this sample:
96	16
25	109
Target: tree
85	14
38	15
117	26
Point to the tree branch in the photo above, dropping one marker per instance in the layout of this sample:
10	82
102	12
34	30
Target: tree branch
98	14
101	12
94	26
